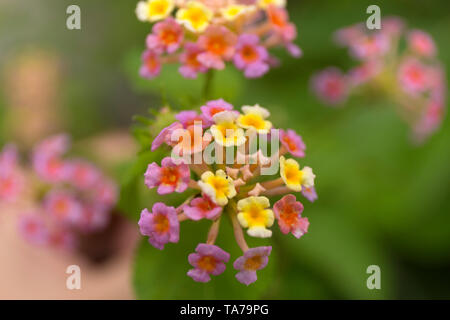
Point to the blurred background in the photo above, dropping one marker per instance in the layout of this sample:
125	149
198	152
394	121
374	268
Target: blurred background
382	200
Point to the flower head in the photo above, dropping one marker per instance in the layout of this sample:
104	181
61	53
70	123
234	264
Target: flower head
169	178
255	215
161	225
293	143
253	260
227	184
208	260
288	213
410	76
12	181
219	187
212	29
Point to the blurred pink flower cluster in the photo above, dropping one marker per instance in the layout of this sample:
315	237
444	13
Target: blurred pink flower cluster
70	196
206	34
236	185
397	62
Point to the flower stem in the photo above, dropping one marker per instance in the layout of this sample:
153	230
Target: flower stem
238	233
208	85
213	232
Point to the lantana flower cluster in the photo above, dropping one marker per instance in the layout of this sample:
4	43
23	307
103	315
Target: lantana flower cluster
398	62
206	34
69	196
237	181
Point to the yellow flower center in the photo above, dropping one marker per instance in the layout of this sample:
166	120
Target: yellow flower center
255	215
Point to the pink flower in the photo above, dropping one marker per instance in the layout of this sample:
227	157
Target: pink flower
310	194
293	143
218	44
63	239
188	118
169	178
413	76
250	56
279	19
151	64
213	107
364	72
392	26
47	160
370	46
208	260
190	65
165	135
288	213
346	36
11	185
421	43
202	208
161	225
63	207
166	36
93	217
253	259
82	174
55	145
330	86
12	181
105	193
33	229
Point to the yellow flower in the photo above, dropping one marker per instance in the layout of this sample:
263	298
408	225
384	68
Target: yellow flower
219	187
278	3
196	16
254	118
293	177
154	10
235	10
225	131
254	215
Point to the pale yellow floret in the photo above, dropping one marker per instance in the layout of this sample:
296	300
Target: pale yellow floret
195	16
293	177
253	213
254	118
154	10
219	187
278	3
225	132
234	11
